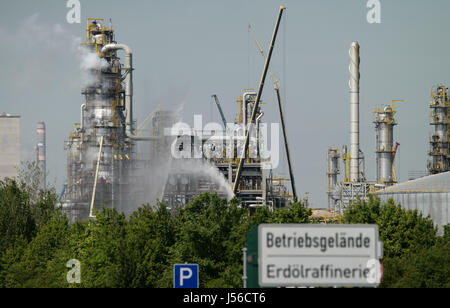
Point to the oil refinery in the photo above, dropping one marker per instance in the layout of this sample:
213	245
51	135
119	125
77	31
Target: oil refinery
225	144
103	165
105	168
429	194
113	161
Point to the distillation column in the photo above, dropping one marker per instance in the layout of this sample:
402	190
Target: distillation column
439	142
332	173
102	118
354	111
384	128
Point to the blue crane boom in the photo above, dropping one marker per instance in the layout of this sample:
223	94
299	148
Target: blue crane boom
220	110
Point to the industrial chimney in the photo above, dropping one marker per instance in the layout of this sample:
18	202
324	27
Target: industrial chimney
354	112
40	153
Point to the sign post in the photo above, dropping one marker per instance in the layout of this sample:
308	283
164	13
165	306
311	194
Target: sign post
185	276
319	255
252	259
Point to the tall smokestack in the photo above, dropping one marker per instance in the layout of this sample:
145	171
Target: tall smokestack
354	112
40	153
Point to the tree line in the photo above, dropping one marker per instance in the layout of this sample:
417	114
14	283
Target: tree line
37	240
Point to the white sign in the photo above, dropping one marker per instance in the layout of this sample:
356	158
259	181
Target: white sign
319	255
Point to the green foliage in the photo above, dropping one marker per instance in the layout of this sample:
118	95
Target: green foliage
151	233
16	214
426	268
36	241
20	216
400	230
414	256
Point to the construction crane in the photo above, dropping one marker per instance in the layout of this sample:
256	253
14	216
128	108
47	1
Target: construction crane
256	106
220	110
393	160
276	87
261	51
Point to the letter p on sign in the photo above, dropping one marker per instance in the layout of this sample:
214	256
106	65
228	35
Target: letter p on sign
185	276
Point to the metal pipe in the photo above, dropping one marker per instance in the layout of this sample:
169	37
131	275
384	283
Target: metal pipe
216	99
128	82
354	111
83	106
91	214
128	90
258	97
244	106
258	119
244	267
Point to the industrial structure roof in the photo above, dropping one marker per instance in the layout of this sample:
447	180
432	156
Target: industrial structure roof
432	183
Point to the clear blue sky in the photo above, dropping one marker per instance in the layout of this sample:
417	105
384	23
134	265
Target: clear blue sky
188	50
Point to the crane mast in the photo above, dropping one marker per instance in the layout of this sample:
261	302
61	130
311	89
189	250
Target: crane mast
276	87
258	97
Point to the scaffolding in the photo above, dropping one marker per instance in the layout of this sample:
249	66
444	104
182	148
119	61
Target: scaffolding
352	192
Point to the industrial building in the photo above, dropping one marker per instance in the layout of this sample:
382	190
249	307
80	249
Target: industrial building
105	164
9	145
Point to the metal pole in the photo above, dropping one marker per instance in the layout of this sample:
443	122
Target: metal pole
277	90
91	215
244	276
220	111
258	97
291	172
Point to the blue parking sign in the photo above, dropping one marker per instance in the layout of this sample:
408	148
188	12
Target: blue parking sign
185	276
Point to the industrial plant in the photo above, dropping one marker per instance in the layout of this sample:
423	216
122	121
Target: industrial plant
106	168
429	194
112	163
